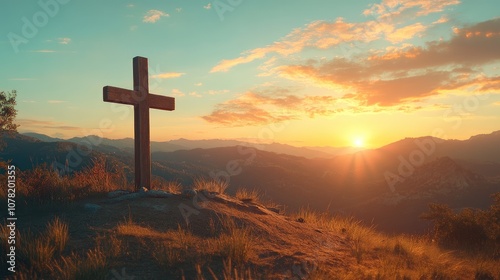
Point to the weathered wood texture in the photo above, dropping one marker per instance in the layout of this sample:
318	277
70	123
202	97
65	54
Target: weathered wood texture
142	100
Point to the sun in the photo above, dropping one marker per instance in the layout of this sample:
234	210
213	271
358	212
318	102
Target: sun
358	142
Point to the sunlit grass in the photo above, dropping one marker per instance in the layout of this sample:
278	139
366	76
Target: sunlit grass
380	256
210	185
248	195
92	266
57	234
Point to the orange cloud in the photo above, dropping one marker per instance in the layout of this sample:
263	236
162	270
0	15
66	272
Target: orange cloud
411	73
168	75
323	34
153	16
405	33
395	8
318	34
270	106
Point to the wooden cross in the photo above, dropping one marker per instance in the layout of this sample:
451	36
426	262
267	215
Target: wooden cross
142	101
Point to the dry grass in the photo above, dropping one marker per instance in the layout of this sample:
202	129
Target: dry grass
210	185
236	242
169	186
92	266
57	234
130	228
368	255
399	257
247	195
229	272
101	176
35	251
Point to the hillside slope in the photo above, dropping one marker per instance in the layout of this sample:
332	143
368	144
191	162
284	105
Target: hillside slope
172	236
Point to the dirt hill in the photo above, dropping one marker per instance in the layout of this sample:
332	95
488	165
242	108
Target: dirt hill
214	236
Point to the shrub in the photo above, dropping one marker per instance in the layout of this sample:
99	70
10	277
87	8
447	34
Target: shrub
469	228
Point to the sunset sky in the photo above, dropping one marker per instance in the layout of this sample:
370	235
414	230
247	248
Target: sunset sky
305	73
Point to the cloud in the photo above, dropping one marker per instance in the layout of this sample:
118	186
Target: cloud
38	124
177	93
56	101
321	35
405	33
168	75
394	9
208	6
270	106
64	41
411	73
178	10
198	84
130	5
133	28
153	16
195	94
44	51
216	92
386	24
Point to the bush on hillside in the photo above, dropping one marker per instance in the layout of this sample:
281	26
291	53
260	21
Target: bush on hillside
469	228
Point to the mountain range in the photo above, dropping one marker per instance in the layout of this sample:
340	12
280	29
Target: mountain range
389	186
127	144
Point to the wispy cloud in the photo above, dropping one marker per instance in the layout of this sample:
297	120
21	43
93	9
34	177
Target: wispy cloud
217	92
395	9
386	25
38	124
178	10
208	6
153	16
44	51
64	41
130	5
56	101
177	93
198	84
168	75
195	94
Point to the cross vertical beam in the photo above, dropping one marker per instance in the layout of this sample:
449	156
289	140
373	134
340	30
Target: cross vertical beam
141	127
142	100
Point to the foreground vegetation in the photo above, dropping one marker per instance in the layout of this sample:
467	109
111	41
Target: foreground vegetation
464	245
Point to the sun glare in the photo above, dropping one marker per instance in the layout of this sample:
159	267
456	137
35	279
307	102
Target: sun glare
358	142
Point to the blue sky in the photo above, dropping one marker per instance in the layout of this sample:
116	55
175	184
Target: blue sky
297	72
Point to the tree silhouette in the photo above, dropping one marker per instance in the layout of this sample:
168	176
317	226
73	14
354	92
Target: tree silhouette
8	114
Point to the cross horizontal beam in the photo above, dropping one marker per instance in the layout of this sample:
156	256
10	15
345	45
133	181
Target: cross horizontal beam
131	97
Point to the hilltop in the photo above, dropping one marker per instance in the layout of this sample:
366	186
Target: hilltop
171	235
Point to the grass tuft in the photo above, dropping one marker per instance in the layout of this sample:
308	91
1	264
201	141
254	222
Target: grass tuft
247	195
210	185
57	234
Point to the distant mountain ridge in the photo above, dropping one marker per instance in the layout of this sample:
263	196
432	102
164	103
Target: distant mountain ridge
462	173
127	144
